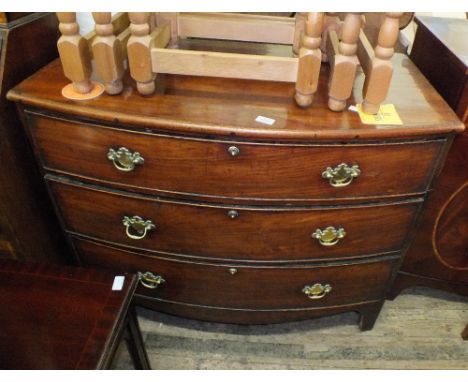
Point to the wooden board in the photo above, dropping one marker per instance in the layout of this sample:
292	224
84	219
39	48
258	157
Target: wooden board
239	27
229	65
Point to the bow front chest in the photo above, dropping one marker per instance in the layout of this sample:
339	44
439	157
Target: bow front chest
229	219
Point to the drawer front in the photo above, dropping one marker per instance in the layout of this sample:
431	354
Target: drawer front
232	170
246	287
242	233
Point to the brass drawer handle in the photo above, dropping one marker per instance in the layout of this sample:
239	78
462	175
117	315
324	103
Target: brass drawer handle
150	280
124	159
342	175
329	236
317	291
139	225
234	151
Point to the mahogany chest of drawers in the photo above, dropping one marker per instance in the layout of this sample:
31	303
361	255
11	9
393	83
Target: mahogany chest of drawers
231	220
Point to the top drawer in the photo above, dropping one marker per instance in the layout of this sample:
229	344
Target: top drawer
233	170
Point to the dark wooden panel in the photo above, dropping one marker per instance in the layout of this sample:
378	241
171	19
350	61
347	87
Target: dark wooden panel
259	171
28	227
59	317
441	53
438	255
205	230
440	246
250	287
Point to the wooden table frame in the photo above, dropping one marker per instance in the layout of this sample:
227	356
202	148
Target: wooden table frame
56	317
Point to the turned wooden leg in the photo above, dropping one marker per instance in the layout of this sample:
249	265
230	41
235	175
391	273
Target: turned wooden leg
107	52
369	315
139	52
344	62
298	31
331	22
74	53
377	83
135	343
310	58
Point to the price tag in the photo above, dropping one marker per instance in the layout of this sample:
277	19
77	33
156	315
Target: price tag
265	120
118	282
387	115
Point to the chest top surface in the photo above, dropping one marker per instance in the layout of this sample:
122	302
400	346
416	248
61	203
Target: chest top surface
225	107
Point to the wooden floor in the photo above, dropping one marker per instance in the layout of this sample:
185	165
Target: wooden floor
419	330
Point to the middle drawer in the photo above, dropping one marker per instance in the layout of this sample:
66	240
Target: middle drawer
233	232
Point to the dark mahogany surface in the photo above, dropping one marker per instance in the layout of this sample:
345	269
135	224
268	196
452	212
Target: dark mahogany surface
200	105
250	287
55	317
260	172
256	234
28	228
438	256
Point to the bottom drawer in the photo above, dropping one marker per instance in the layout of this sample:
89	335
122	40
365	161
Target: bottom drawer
247	287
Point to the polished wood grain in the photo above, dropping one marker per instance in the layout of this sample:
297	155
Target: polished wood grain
250	287
254	234
234	202
202	167
28	227
439	249
438	256
223	107
61	317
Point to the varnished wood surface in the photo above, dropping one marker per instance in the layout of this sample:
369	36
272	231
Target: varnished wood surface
229	107
184	132
59	317
256	234
438	256
28	227
439	249
250	287
265	172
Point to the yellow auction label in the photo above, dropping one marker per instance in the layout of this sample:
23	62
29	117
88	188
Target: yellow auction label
387	115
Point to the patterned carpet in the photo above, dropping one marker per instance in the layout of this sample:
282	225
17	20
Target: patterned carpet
419	330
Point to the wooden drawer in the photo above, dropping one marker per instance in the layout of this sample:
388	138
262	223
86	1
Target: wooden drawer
204	230
260	171
247	287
